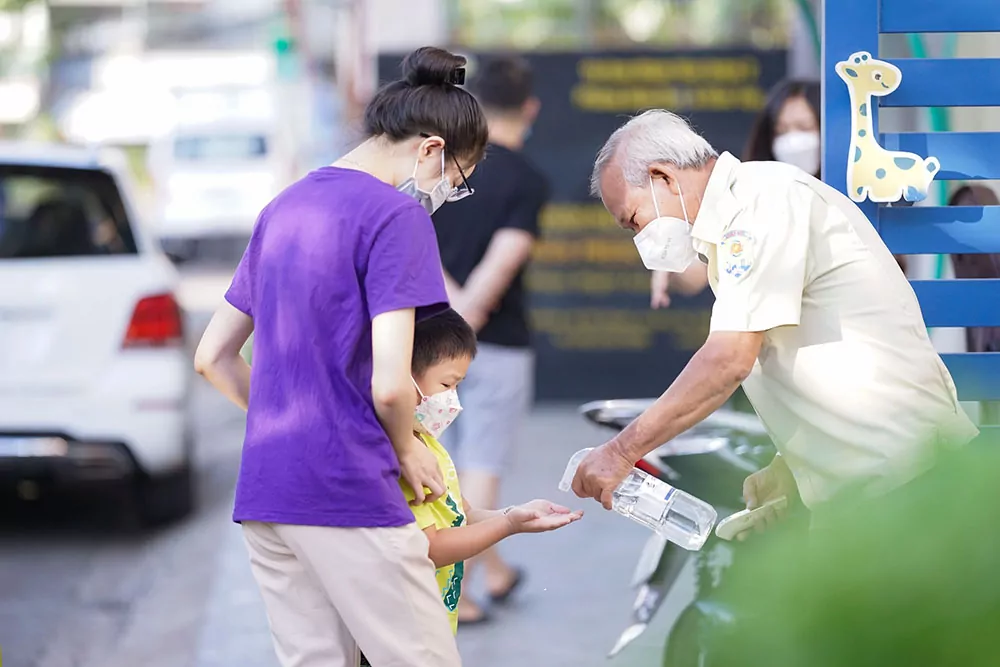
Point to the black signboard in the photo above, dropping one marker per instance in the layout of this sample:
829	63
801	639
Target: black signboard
595	335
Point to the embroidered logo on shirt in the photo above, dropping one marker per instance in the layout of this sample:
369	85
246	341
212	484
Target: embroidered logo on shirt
737	253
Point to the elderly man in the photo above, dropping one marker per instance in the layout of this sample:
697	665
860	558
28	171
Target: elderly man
812	315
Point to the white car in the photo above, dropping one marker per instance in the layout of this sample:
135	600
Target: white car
213	179
94	377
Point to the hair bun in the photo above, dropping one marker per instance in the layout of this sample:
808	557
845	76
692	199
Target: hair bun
430	66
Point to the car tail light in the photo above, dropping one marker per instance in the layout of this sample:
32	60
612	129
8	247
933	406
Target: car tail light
156	322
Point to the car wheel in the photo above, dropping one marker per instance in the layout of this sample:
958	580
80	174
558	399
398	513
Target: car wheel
166	498
683	647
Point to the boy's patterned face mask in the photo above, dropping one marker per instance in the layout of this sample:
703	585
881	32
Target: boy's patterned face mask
436	413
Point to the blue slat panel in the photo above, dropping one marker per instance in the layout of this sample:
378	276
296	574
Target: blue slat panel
945	82
963	155
939	16
977	376
959	303
947	230
848	26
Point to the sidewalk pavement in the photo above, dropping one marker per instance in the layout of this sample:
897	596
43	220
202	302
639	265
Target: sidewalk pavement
574	603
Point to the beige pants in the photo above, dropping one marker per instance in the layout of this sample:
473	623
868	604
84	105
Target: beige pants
330	590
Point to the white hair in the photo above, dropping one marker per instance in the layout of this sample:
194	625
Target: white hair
652	136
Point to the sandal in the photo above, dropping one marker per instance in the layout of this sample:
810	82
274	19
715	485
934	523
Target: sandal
503	596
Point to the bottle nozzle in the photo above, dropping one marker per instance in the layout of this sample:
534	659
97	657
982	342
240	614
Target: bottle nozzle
574	462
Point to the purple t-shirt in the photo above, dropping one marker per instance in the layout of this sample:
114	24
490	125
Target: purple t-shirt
327	255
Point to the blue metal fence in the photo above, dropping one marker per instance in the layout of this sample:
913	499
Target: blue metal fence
850	26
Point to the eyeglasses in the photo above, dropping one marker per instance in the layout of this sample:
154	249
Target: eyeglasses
464	189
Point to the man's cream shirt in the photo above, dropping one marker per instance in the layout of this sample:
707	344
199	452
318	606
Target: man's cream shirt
847	382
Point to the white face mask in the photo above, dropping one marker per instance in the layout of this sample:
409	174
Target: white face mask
431	201
435	413
800	149
665	244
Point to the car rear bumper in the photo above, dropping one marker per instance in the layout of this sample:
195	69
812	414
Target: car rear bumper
60	460
140	404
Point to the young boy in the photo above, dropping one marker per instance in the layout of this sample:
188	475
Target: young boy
443	348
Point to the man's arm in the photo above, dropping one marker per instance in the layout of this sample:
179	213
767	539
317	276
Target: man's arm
705	384
508	251
707	381
451	286
218	357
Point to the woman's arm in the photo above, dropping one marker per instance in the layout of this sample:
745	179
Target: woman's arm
218	358
395	398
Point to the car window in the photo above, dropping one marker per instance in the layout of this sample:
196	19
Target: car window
55	212
220	147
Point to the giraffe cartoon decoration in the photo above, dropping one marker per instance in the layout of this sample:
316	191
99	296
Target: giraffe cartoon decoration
882	175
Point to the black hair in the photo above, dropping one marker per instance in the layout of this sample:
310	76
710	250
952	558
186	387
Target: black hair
973	195
440	338
428	100
762	136
503	83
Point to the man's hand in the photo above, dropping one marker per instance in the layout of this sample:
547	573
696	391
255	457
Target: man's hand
765	485
419	467
601	472
660	290
540	516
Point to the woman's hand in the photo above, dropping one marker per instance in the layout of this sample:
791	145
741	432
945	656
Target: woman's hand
539	516
419	467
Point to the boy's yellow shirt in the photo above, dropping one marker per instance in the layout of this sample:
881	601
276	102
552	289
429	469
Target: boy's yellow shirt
445	512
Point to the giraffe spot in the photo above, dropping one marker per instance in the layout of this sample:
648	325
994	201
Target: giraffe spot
880	173
857	153
863	109
904	162
860	190
862	133
932	166
864	57
857	60
912	194
851	73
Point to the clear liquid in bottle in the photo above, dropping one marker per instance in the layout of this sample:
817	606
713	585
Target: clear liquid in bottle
678	516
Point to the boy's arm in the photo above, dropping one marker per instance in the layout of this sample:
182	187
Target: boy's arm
452	545
477	515
486	528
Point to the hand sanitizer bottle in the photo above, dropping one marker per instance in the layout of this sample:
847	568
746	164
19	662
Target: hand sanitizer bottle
678	516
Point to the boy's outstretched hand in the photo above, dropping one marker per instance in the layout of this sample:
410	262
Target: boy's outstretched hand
540	516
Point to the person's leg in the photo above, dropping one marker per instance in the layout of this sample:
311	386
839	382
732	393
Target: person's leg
381	581
306	629
497	397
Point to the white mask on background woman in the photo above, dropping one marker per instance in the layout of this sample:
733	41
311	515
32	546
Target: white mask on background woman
798	148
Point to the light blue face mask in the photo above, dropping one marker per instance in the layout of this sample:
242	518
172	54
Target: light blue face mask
433	200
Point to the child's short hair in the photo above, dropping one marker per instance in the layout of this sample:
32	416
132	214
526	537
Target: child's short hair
442	337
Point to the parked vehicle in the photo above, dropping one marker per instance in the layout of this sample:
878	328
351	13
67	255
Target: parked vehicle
710	461
94	377
213	179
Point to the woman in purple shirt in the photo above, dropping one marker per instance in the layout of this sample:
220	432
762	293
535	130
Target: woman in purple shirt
339	267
